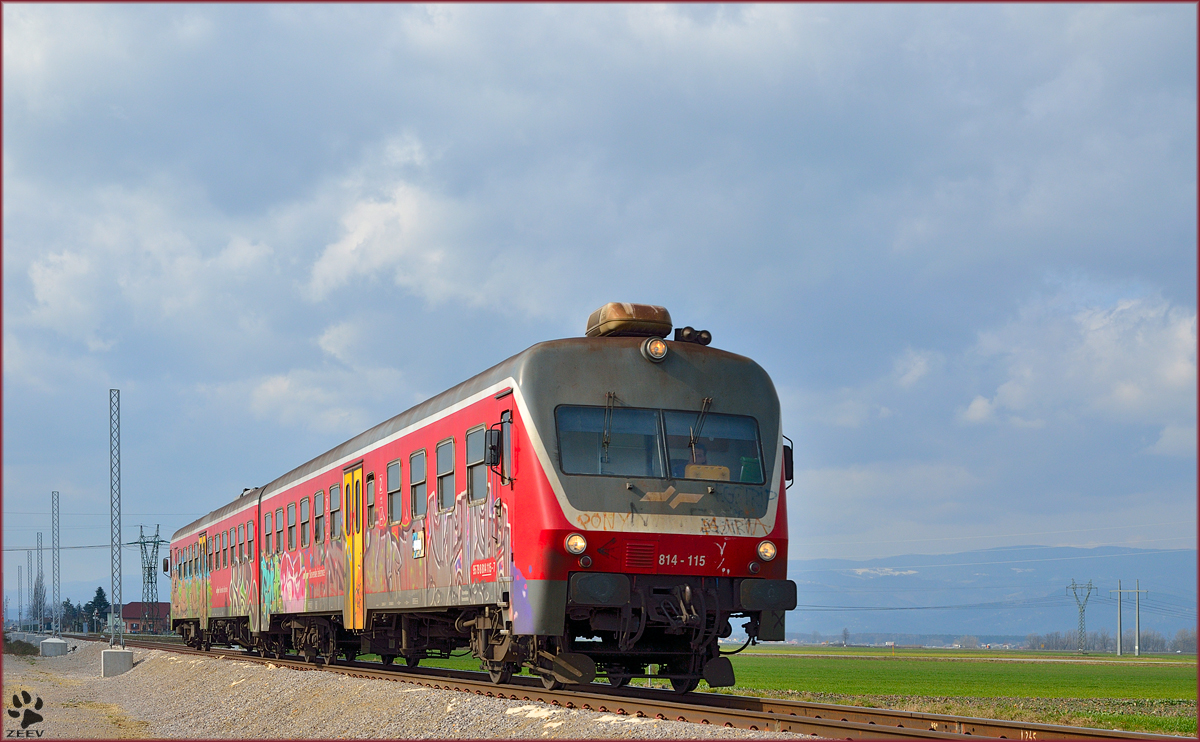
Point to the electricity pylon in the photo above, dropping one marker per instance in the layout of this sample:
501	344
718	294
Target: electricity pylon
1074	588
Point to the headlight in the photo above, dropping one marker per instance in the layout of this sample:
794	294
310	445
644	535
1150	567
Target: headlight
766	551
576	544
654	349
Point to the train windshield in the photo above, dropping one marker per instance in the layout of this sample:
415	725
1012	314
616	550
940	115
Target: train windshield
615	441
632	442
719	447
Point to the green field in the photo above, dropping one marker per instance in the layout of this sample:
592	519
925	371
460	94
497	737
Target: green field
1151	693
923	676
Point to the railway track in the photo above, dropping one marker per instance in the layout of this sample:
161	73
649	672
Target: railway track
742	712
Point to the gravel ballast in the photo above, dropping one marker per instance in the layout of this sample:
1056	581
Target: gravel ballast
168	695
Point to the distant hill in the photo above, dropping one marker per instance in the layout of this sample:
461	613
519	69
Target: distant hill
1011	591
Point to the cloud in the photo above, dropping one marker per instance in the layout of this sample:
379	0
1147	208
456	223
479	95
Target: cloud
1175	440
403	234
1131	361
892	485
913	366
980	410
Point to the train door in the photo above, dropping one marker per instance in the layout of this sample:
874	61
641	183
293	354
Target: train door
353	612
205	585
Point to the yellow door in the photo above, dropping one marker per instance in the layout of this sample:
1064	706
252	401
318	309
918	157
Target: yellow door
353	613
205	587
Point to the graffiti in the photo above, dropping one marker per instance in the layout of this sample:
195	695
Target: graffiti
732	527
272	590
292	585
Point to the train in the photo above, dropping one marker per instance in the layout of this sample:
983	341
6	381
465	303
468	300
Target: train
595	507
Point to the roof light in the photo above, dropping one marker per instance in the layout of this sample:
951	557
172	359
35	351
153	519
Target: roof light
654	349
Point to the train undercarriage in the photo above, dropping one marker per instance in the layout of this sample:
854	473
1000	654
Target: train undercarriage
616	626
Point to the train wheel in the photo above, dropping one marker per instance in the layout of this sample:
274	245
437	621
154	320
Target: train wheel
412	661
500	672
550	683
618	681
685	685
387	659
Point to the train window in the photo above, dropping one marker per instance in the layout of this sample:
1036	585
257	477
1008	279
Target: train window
416	476
267	531
445	474
304	522
506	462
241	543
393	492
476	471
371	500
619	441
279	530
356	513
224	550
725	448
250	539
335	511
208	557
319	516
291	525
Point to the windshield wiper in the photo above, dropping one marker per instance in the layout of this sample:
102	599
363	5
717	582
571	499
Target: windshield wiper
695	431
609	399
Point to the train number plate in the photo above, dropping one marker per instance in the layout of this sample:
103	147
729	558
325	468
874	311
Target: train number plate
676	560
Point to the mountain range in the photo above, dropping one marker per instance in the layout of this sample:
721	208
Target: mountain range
1010	591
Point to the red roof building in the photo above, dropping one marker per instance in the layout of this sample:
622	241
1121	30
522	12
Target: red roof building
131	614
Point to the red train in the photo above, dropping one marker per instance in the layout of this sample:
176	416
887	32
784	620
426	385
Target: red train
590	506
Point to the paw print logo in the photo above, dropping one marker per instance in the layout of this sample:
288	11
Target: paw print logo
22	702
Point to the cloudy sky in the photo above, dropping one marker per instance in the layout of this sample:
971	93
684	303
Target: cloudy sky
961	239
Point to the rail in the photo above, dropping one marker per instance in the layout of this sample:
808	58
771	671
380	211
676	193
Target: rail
742	712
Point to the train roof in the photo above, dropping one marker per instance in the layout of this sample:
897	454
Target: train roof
514	367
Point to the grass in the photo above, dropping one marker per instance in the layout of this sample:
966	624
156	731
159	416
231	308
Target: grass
922	677
20	648
1148	694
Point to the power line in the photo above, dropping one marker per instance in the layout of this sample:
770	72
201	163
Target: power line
1048	600
998	535
989	564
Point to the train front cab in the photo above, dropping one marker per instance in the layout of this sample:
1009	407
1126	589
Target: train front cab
669	478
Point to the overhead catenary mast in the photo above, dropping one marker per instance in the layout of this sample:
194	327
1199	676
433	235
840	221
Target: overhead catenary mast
56	606
114	479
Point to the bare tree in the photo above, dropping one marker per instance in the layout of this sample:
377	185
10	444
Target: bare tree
1184	641
38	608
845	637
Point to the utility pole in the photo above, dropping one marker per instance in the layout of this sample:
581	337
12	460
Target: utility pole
42	579
20	598
114	481
29	582
1074	588
1137	617
56	609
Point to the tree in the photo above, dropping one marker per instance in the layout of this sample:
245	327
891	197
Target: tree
38	609
1184	641
968	642
845	637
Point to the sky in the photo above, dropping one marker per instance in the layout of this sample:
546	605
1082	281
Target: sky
960	239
